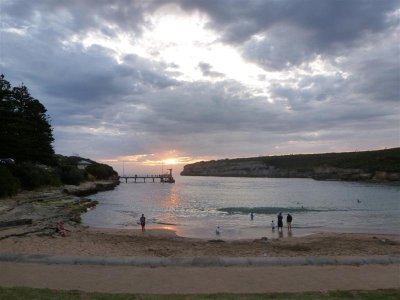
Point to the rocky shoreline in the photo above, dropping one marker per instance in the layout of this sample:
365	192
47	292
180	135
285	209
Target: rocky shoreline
90	188
39	211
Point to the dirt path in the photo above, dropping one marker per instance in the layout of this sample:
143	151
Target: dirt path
165	280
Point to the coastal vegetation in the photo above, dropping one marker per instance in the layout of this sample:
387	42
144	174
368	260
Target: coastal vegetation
27	158
27	175
375	165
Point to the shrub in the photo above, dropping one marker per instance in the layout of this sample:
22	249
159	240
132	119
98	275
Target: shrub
101	171
33	176
9	185
72	175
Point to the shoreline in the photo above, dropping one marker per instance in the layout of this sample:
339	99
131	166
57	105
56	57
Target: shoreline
253	232
44	208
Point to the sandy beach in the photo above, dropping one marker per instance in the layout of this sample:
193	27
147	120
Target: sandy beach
28	227
90	242
82	241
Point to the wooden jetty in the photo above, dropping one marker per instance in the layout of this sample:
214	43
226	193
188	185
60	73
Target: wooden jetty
163	178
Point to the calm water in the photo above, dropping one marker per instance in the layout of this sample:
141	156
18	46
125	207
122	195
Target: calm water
194	206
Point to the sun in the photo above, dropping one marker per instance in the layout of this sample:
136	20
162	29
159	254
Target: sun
170	161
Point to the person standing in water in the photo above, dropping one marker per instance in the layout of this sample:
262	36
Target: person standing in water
280	221
289	222
218	230
252	216
143	222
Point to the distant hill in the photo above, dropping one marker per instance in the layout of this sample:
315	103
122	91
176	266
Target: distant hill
378	165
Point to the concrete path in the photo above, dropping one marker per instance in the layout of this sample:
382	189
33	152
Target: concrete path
172	279
201	261
201	274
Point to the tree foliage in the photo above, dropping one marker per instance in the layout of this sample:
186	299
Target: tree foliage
32	176
25	130
26	136
9	184
101	171
369	161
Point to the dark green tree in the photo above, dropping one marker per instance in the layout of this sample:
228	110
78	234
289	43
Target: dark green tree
25	130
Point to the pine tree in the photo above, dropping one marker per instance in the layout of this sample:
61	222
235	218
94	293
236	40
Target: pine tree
25	131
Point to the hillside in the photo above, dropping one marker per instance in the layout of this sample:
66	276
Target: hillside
16	176
379	165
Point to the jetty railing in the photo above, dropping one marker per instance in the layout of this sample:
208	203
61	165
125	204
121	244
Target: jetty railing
163	178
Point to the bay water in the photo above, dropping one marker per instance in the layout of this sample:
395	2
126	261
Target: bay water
195	206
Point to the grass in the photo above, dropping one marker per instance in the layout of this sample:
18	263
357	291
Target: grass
20	293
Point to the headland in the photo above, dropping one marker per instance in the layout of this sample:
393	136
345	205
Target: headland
378	166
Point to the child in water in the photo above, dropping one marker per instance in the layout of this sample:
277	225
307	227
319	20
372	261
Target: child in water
272	225
218	230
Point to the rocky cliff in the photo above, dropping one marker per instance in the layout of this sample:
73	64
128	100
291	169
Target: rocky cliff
381	165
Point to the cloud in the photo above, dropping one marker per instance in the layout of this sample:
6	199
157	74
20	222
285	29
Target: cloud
262	77
293	31
206	69
62	18
76	77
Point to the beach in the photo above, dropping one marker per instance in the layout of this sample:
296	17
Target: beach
318	262
164	243
38	238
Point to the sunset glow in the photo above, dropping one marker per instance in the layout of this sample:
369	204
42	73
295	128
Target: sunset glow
150	163
171	161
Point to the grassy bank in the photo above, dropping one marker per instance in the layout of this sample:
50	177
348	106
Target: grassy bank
43	294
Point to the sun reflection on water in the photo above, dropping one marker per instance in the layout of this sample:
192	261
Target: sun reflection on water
173	199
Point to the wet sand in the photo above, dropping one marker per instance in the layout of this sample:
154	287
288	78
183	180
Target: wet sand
82	241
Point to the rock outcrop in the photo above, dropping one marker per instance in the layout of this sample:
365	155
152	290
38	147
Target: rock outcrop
90	187
37	212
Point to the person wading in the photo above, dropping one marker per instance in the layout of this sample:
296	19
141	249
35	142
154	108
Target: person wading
143	222
289	222
280	222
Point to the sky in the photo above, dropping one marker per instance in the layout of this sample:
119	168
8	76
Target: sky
145	85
